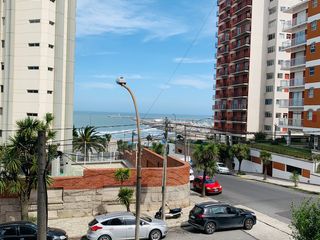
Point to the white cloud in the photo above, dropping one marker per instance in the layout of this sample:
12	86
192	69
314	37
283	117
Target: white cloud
192	60
97	85
198	81
125	17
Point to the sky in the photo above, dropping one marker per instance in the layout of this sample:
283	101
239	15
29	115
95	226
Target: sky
163	48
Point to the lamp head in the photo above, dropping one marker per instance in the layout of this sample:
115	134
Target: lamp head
121	81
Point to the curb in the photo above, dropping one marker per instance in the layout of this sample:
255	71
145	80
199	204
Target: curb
275	184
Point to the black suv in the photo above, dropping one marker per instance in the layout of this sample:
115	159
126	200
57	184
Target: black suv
27	231
209	216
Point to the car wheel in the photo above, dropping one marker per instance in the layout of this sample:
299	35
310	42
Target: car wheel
104	237
155	234
210	228
248	224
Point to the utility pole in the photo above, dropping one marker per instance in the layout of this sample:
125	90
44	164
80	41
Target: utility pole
85	153
185	143
164	173
41	188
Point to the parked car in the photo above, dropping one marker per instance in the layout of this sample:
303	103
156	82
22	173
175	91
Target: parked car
211	185
222	168
28	231
210	216
191	177
121	225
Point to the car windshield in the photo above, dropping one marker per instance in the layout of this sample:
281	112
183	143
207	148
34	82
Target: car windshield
221	165
197	210
210	180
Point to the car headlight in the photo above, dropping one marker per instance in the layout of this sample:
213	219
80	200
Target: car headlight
59	238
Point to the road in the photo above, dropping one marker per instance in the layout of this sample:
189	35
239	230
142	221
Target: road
274	201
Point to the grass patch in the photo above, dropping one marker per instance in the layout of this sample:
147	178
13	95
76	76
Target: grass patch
284	150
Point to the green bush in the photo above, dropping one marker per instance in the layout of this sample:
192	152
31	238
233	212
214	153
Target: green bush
260	136
125	197
305	221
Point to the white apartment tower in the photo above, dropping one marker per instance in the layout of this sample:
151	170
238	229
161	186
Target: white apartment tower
37	64
249	77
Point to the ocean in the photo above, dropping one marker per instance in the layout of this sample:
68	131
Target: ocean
121	125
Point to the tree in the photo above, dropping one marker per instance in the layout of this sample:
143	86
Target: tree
87	141
305	221
316	159
260	136
157	148
125	194
225	154
122	146
18	174
122	175
149	139
266	160
106	140
205	159
240	151
295	178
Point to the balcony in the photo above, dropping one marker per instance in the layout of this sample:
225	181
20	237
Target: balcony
242	19
240	106
296	82
284	84
224	6
295	23
241	31
291	103
293	63
290	122
245	4
294	43
240	70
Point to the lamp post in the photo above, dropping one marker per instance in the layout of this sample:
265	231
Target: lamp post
121	81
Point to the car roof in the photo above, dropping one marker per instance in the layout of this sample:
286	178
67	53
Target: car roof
210	203
113	215
16	223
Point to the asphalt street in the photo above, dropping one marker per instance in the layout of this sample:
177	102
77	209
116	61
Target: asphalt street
274	201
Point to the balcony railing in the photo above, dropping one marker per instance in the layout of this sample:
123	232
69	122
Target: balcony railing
294	42
284	83
295	62
294	23
296	102
297	82
290	122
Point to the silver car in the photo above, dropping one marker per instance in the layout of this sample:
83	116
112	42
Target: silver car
121	225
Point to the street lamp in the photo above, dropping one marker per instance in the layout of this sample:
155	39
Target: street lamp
122	82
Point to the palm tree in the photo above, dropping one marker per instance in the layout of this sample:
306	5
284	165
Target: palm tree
87	141
122	174
241	152
18	160
206	157
157	148
107	138
266	160
125	197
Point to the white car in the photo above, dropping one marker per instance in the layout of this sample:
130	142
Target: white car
222	168
191	177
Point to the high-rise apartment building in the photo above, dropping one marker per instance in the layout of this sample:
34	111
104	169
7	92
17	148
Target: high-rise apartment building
37	64
249	77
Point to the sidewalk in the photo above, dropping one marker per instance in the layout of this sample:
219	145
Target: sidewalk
265	229
315	189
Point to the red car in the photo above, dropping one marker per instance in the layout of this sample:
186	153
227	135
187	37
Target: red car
211	184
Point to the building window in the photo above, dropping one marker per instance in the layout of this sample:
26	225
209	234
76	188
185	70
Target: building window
0	133
314	25
268	114
2	43
34	44
271	36
283	8
51	22
310	113
279	89
281	35
1	110
271	49
272	10
310	92
49	92
2	66
280	75
270	63
50	69
1	88
33	67
314	3
3	20
268	101
311	71
52	1
293	169
272	23
50	46
278	115
269	76
32	114
269	88
267	127
34	20
32	91
313	47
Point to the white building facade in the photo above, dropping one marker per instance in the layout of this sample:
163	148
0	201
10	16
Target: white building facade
37	64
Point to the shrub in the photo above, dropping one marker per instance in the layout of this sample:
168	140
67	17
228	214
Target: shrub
260	136
305	221
125	197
